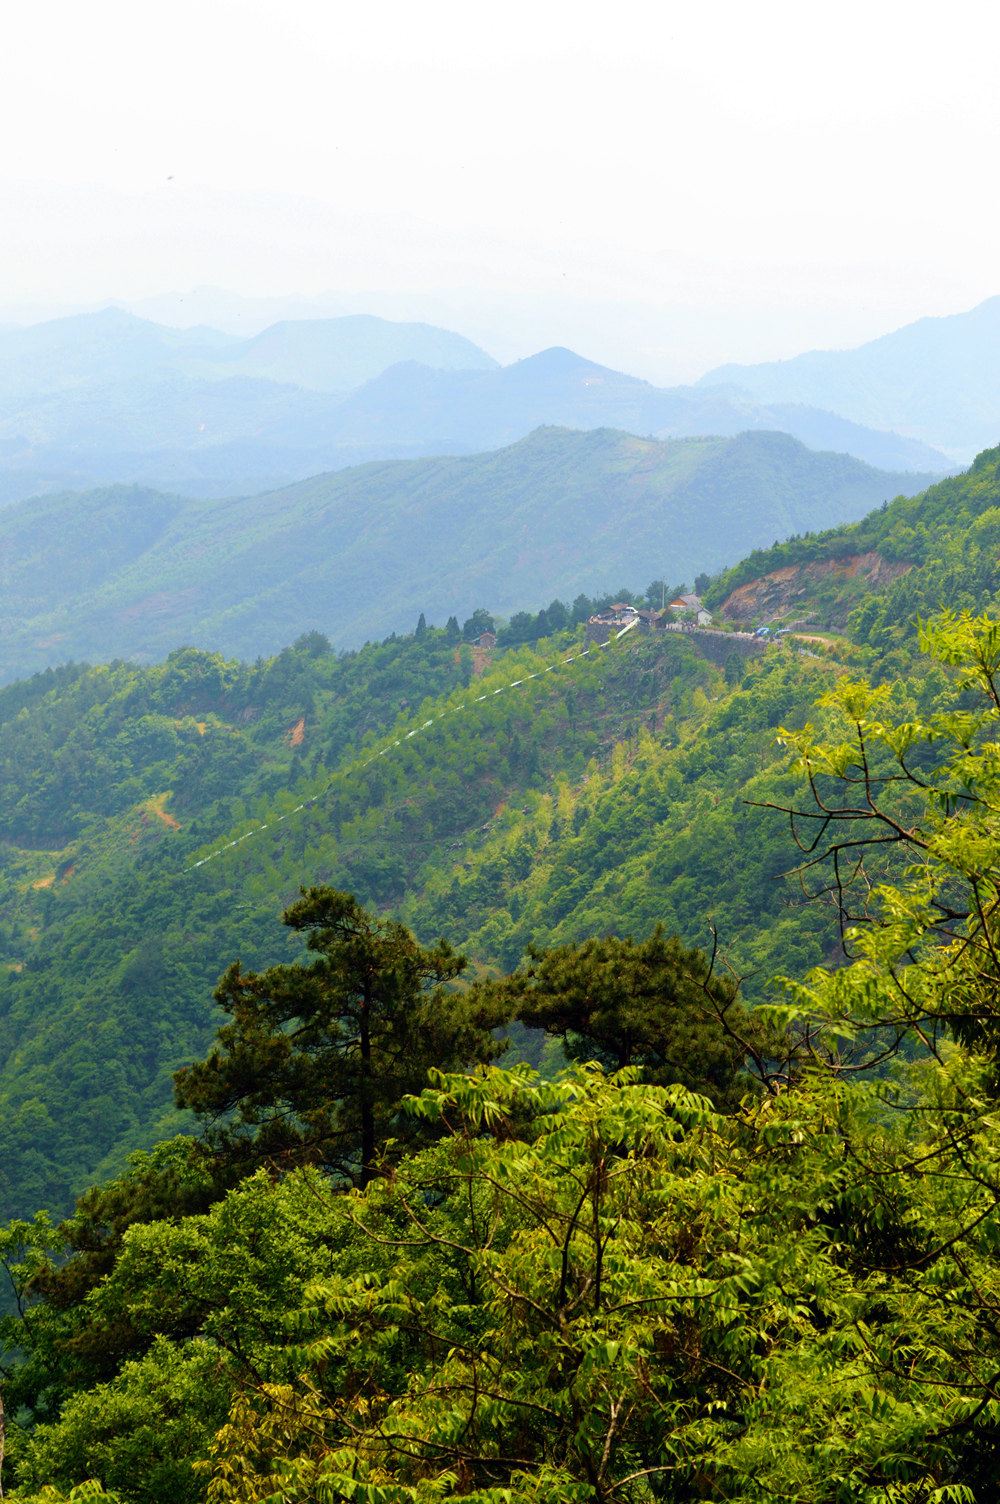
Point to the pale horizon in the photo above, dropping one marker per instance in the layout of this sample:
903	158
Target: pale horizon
661	194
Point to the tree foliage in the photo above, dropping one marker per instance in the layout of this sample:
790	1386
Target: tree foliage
600	1287
317	1057
653	1003
901	833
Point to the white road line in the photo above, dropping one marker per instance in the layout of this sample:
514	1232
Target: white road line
398	742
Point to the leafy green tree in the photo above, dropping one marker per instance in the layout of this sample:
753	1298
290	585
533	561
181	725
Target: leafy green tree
316	644
82	1493
317	1057
138	1431
521	628
595	1290
902	831
652	1003
25	1247
479	622
62	1349
557	616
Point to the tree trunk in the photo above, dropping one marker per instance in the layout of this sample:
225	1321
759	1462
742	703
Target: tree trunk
366	1083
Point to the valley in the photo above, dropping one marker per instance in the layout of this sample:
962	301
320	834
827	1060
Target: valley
359	554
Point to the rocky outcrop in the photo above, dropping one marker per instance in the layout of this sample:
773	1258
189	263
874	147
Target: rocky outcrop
784	590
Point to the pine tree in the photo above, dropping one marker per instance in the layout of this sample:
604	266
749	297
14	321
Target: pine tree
651	1003
317	1057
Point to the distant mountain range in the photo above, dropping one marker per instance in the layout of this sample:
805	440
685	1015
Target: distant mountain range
337	355
112	346
108	397
359	553
427	411
937	380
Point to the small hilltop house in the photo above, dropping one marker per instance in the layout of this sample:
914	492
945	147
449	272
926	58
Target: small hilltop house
691	607
652	621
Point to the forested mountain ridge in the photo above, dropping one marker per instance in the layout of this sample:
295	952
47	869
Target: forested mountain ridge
361	553
493	825
926	552
119	780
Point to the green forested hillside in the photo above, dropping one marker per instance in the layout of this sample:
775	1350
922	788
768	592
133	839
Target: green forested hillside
609	794
662	834
118	780
941	547
362	552
581	1286
798	1270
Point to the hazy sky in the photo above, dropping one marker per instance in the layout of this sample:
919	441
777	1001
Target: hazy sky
661	186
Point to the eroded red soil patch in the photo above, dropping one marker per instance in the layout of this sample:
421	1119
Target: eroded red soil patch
155	807
782	589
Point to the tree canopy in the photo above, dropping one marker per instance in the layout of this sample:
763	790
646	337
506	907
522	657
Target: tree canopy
598	1287
318	1056
655	1003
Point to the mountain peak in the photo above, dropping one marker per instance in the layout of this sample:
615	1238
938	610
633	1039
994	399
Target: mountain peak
558	360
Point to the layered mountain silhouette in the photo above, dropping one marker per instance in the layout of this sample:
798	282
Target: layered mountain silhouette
109	397
936	380
336	355
427	411
110	346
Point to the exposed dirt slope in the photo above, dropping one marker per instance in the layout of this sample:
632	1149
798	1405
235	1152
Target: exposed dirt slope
801	586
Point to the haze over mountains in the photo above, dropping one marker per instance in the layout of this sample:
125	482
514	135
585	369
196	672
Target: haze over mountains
937	380
428	411
360	553
109	397
330	355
